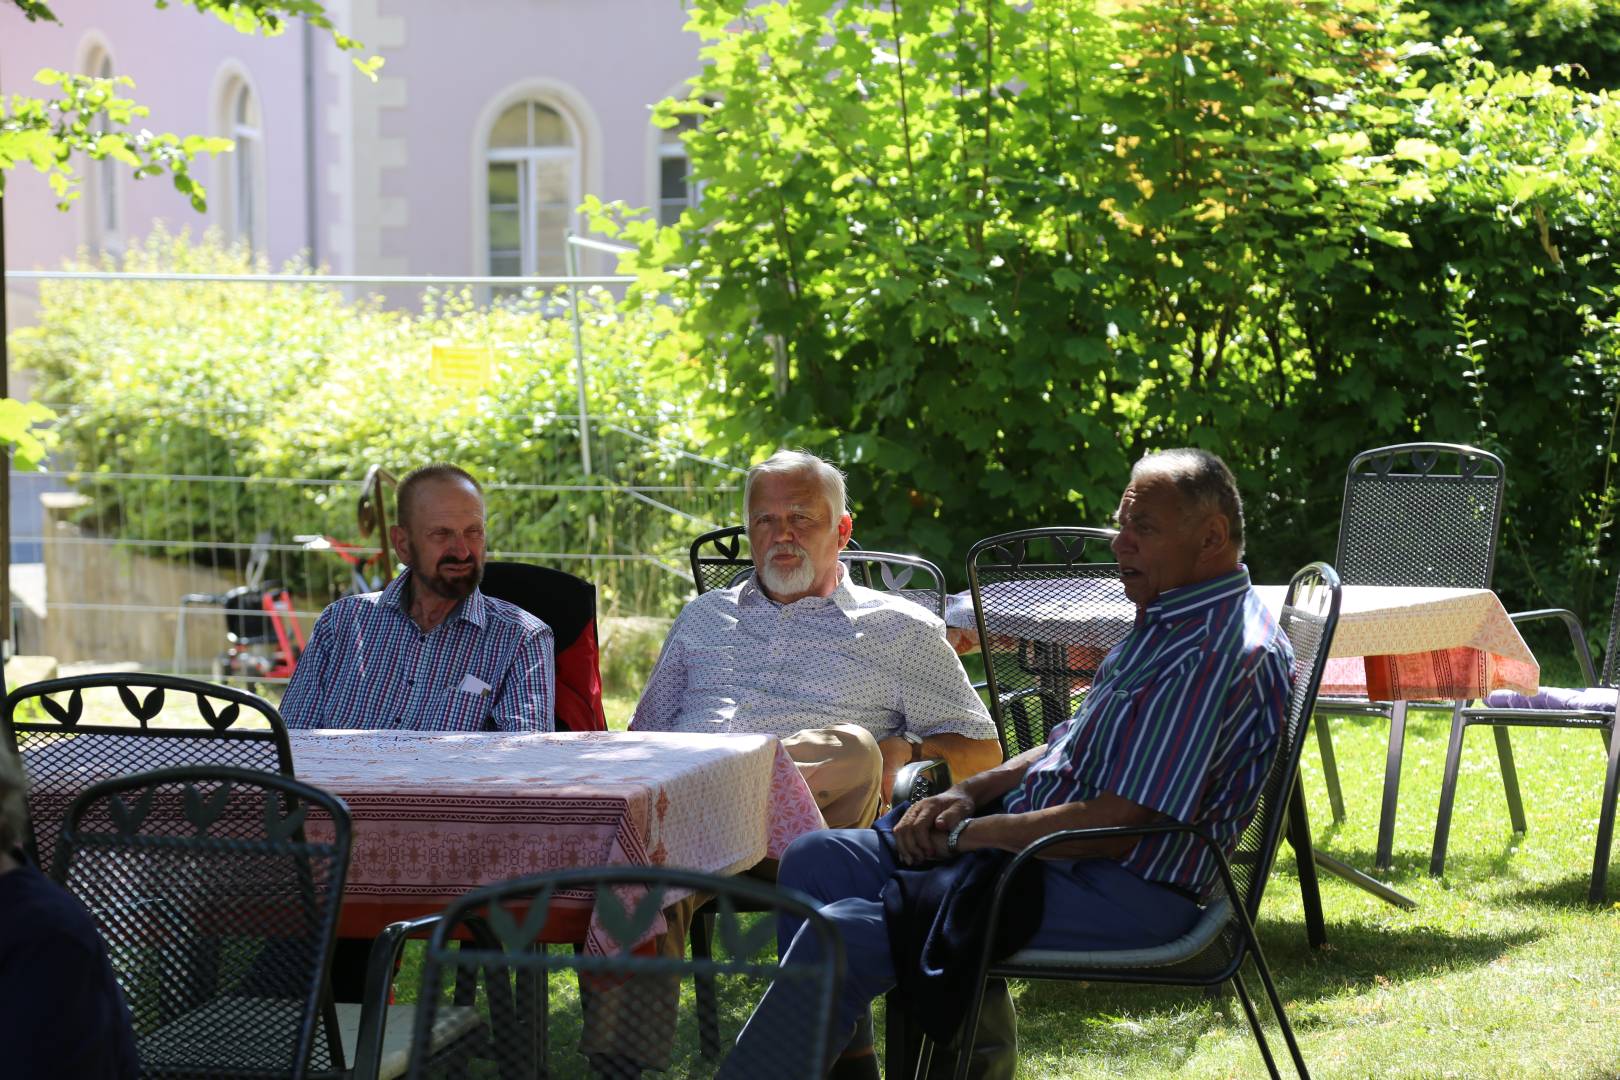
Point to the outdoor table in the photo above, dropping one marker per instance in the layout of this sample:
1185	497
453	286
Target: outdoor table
1392	643
436	814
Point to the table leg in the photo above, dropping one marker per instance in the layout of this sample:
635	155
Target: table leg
1382	859
1299	838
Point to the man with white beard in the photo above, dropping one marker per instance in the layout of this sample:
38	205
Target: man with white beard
856	682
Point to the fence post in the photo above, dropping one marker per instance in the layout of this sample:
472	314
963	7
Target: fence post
579	354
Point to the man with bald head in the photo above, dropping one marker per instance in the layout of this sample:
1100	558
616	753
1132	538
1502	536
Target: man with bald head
430	652
1181	725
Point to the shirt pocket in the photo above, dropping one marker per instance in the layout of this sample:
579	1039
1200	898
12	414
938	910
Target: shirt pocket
457	710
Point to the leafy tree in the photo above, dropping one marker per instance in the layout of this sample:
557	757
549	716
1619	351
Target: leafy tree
987	254
1539	33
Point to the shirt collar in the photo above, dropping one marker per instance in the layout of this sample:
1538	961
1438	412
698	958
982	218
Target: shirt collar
842	597
1187	600
471	609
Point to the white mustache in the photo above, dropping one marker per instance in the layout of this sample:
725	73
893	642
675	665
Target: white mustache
787	547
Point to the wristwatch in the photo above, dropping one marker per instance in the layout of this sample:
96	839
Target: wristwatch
956	834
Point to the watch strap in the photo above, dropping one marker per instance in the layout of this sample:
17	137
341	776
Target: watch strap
956	834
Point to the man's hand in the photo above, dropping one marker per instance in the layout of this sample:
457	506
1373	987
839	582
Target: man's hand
920	834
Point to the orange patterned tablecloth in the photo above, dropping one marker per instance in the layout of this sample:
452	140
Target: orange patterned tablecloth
1393	643
437	814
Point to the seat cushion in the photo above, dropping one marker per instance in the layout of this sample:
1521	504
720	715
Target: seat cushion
1203	933
449	1025
1557	699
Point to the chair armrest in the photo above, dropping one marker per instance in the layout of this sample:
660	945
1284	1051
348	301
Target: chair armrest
1577	635
380	965
919	780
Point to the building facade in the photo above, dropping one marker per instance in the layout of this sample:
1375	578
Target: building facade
489	122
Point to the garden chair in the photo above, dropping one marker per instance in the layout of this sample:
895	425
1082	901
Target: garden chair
512	966
1416	514
1048	605
1591	708
567	604
134	723
1213	951
219	914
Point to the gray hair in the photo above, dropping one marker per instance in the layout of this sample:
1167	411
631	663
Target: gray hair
828	475
1204	483
13	801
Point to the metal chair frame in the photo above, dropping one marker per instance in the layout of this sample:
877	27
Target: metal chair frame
150	744
1233	910
1500	719
1054	553
1389	535
501	942
106	821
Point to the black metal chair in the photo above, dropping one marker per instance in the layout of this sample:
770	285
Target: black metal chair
219	913
1049	606
512	967
61	742
1552	708
1213	951
1415	514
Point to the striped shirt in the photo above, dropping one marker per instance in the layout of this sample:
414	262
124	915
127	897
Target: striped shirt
736	660
368	665
1182	719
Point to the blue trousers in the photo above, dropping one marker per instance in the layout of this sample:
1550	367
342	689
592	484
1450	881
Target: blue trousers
1090	904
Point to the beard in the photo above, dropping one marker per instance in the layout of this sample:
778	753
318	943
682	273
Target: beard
450	588
787	582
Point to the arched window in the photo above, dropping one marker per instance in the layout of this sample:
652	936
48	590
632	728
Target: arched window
676	192
533	188
104	222
244	212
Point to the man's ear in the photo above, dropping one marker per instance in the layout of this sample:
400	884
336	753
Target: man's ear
1215	536
398	536
846	526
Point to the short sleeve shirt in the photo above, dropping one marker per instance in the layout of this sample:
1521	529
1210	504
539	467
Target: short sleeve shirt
736	660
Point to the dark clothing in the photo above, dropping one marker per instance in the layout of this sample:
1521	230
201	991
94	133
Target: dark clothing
937	919
61	1012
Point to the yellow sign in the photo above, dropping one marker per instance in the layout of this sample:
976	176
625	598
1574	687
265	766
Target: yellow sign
462	367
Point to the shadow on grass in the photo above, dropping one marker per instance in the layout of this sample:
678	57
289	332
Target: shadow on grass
1568	892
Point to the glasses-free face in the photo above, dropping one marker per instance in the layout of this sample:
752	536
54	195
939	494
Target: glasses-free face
794	536
444	542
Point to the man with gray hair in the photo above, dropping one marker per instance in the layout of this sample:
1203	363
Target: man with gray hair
62	1016
855	682
1181	725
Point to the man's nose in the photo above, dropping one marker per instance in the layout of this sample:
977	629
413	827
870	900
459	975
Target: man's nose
1120	543
459	547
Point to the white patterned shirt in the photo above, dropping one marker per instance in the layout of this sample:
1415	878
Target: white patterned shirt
737	661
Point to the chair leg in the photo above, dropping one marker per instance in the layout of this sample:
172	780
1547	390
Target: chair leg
1254	1026
1448	797
1510	779
1310	891
1392	786
1605	835
1330	767
703	988
968	1035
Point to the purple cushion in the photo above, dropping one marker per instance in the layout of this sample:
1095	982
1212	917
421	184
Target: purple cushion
1558	698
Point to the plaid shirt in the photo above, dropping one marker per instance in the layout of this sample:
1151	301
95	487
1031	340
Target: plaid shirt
736	660
1183	719
368	665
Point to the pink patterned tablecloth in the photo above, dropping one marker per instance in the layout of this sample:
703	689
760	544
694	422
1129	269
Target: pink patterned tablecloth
437	814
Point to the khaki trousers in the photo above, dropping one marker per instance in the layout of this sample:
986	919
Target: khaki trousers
635	1020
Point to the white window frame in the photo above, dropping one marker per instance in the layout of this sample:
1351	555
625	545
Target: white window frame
246	204
103	187
526	158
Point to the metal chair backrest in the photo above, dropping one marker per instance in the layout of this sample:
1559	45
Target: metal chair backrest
505	957
115	724
1309	616
218	910
1048	605
567	604
1425	514
908	576
1611	656
720	558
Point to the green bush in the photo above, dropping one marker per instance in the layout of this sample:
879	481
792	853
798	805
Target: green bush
285	383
